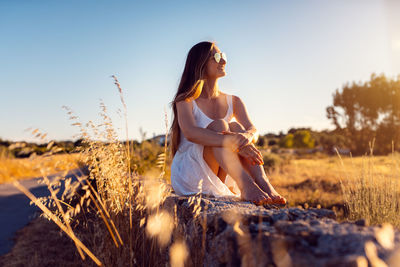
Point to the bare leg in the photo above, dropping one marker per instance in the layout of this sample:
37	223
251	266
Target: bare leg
223	158
257	171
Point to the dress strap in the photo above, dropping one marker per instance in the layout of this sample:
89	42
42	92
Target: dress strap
194	104
229	99
229	113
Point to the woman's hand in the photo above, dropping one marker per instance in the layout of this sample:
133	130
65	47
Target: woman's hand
242	144
239	140
251	154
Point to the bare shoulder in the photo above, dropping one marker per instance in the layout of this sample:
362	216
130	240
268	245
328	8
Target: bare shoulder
185	115
184	105
237	102
234	98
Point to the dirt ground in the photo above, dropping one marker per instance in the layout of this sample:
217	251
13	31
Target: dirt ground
42	243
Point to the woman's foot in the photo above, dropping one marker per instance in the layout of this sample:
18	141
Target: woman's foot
267	187
253	193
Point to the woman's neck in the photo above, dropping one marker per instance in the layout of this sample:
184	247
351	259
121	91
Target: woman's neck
210	89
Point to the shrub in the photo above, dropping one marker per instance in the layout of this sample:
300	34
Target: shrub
261	141
287	141
303	139
273	162
145	156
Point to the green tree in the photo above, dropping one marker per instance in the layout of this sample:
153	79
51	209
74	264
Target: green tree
366	111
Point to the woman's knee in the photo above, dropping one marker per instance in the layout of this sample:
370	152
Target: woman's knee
236	127
218	125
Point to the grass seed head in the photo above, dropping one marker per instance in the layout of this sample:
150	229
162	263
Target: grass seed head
160	225
385	236
178	254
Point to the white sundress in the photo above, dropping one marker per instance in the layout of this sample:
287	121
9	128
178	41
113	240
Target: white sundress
190	174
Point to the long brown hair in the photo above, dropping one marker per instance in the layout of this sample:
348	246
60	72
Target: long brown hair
190	85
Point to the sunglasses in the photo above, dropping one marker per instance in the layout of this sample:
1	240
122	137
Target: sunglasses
218	56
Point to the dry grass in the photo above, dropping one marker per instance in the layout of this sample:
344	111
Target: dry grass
367	187
372	190
321	176
12	169
311	181
113	205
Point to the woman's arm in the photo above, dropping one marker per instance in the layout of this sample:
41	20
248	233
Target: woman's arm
200	135
241	115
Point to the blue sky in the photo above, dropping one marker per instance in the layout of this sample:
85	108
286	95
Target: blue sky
285	58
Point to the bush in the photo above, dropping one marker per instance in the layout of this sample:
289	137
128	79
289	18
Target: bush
303	139
144	156
330	140
287	141
273	162
261	141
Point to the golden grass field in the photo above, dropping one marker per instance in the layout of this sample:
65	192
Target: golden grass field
18	169
367	184
317	180
314	182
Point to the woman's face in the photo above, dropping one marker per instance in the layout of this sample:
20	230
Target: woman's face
213	69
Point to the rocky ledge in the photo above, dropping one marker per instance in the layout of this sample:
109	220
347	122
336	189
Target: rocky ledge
228	232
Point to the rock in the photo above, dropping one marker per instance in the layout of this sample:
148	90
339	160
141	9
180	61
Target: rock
229	232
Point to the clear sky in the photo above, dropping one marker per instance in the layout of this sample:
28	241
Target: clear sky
285	58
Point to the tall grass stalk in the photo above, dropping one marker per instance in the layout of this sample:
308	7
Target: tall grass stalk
116	82
162	157
370	195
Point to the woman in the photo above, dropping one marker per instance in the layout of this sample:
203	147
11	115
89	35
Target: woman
208	147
